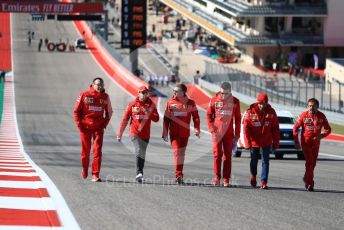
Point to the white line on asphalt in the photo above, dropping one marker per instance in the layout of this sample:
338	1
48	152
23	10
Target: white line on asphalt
21	168
331	155
4	165
11	161
15	227
27	203
22	184
28	174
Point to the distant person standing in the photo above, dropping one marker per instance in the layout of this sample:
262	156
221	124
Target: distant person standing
177	118
140	113
261	130
315	127
40	43
180	49
166	80
197	77
223	116
92	114
2	76
29	38
161	80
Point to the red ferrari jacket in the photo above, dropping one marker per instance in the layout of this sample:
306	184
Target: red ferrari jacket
220	115
177	118
140	114
261	129
312	125
92	110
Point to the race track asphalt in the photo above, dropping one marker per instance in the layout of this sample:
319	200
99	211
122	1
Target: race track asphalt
47	85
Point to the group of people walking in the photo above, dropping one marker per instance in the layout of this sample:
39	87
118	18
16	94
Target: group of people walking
93	112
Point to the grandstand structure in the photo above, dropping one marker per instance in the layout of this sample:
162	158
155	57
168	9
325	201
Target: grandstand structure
262	28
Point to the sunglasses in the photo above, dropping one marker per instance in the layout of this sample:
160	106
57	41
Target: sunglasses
144	92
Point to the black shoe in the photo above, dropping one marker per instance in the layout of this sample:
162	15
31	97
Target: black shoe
310	188
179	181
305	183
264	185
139	178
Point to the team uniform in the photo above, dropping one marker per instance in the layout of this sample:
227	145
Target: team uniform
140	114
92	113
261	130
177	119
312	125
220	115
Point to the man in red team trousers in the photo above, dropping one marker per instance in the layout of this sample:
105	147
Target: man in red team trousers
140	112
177	117
223	109
92	113
314	126
261	130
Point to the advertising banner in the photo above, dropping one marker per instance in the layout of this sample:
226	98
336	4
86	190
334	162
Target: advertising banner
50	7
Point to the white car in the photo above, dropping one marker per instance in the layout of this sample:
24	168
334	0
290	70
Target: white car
287	143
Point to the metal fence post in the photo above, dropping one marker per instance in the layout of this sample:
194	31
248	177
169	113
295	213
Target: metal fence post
299	93
277	90
339	96
330	85
322	96
285	90
292	92
306	96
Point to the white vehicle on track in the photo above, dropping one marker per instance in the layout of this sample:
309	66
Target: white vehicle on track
287	143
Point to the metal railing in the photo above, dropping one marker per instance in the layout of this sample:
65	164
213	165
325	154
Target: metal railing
283	90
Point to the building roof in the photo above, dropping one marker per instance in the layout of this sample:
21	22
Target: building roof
242	9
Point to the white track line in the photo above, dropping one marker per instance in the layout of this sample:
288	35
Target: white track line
27	203
331	155
22	184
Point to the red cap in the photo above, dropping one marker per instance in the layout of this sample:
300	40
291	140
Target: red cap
263	97
143	88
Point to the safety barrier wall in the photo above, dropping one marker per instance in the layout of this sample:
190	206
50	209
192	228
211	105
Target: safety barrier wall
333	117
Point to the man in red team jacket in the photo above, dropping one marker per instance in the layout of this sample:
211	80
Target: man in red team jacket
140	112
177	118
261	130
314	126
223	109
92	113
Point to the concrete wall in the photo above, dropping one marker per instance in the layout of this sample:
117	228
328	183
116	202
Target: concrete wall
334	72
333	117
334	26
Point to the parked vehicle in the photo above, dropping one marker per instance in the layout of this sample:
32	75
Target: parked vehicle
80	43
287	143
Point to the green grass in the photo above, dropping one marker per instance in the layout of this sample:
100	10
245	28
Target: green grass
1	98
337	129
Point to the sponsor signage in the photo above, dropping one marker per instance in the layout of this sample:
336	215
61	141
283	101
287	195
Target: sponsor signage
50	7
134	23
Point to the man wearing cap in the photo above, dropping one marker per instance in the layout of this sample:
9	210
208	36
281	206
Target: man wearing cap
140	112
177	118
261	130
222	110
314	126
92	113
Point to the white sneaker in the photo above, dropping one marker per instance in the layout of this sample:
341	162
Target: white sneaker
139	178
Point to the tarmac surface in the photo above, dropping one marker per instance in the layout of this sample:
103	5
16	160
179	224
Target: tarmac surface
47	85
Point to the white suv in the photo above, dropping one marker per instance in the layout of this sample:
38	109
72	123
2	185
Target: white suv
287	143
